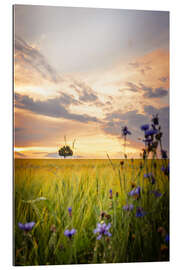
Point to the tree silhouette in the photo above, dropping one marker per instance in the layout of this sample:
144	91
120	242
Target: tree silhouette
65	151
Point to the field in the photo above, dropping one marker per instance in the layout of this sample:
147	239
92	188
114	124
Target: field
60	195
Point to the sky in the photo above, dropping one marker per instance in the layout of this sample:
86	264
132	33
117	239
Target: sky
84	73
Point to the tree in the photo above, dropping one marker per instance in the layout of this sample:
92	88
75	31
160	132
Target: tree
65	151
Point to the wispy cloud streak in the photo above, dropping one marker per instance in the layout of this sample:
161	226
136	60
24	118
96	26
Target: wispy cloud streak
26	54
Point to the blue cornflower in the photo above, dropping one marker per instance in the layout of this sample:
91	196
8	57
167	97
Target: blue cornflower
165	170
151	177
125	131
69	233
102	229
27	226
157	193
128	207
167	238
110	193
70	211
145	127
140	212
147	175
150	132
136	192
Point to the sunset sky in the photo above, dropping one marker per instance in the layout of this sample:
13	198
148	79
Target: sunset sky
84	73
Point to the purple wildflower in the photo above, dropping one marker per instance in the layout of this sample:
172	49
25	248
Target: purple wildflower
27	226
102	229
147	175
145	127
156	193
165	170
140	212
70	211
150	132
167	238
125	131
151	177
128	207
69	233
110	193
136	192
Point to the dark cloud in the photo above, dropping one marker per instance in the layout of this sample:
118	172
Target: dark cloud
86	93
18	129
33	59
156	93
30	137
145	88
118	119
132	87
113	127
19	155
150	110
52	107
52	155
65	99
55	155
133	119
163	79
87	96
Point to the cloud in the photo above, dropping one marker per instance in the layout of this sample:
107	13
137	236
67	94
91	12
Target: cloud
19	155
118	119
163	79
145	88
31	59
156	93
150	110
18	129
38	131
52	155
133	119
132	87
52	107
134	64
86	94
149	91
65	99
141	67
55	155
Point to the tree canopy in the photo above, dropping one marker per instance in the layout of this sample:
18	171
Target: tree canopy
65	151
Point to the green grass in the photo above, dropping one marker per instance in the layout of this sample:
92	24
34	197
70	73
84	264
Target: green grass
84	185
